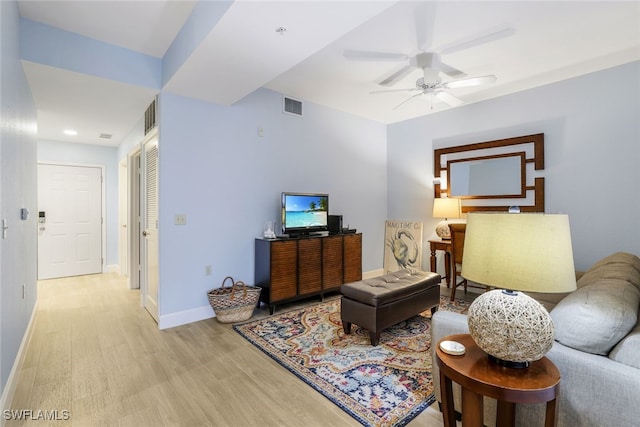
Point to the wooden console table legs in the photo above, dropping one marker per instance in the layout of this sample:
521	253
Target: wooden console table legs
445	246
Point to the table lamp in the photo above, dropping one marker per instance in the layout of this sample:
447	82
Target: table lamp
446	208
516	252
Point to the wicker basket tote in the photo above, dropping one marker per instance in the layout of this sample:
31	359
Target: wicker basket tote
235	303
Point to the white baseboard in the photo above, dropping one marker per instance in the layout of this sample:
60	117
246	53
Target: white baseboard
12	381
187	316
372	273
113	268
206	312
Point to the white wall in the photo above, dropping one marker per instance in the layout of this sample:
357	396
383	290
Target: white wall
592	155
227	180
18	252
62	152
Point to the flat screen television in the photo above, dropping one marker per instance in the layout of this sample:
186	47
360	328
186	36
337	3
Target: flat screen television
304	213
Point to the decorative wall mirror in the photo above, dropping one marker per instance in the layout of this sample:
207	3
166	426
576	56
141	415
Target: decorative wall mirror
493	175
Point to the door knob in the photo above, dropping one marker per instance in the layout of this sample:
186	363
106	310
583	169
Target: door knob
144	233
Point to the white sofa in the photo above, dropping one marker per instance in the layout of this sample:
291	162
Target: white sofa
597	349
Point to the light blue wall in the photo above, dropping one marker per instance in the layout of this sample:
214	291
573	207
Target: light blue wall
227	180
107	157
592	154
18	252
44	44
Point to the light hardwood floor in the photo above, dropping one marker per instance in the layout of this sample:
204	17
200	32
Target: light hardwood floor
98	355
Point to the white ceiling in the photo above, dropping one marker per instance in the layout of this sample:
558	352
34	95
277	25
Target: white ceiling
551	41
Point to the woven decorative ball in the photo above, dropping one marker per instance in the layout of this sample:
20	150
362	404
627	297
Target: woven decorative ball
510	326
442	230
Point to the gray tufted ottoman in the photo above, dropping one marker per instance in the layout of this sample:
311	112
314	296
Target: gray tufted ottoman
380	302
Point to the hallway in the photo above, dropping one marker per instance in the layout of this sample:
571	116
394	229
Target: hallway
97	358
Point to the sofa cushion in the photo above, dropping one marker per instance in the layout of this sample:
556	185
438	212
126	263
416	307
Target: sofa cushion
618	258
621	265
595	317
627	351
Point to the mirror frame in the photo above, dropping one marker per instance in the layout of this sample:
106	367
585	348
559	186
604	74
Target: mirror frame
538	162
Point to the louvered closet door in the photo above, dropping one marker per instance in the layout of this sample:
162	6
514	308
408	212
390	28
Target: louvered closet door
150	227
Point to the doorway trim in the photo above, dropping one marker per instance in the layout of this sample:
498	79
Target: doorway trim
123	218
133	218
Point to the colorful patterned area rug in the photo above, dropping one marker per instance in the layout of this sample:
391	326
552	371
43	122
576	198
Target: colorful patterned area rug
386	385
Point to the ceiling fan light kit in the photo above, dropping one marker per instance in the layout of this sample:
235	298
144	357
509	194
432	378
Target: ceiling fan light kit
439	89
431	84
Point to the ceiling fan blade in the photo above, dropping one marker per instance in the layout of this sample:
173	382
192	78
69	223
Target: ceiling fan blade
407	100
449	99
477	39
396	90
363	55
471	81
451	71
397	75
424	20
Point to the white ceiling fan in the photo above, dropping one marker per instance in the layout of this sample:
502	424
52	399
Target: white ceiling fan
430	60
431	84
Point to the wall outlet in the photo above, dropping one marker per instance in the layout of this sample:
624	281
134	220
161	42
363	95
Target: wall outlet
208	270
180	219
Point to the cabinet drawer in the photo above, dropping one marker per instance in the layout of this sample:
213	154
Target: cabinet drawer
284	277
332	263
352	258
309	266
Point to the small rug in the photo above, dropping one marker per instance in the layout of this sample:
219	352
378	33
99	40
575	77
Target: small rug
386	385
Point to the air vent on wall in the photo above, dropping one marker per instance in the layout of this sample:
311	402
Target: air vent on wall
150	117
292	106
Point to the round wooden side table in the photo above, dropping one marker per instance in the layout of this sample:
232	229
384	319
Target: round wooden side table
478	377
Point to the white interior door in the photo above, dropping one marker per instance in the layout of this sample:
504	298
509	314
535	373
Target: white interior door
150	227
69	220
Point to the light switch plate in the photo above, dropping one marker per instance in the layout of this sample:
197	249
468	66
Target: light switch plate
180	219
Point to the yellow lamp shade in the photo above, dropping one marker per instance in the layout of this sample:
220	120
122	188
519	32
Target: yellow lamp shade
524	252
446	208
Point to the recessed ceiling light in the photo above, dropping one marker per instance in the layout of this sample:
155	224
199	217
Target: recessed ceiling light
70	132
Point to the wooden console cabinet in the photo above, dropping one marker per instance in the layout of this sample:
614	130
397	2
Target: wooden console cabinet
290	269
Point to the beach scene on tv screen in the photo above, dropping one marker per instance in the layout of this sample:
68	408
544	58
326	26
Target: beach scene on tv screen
306	211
